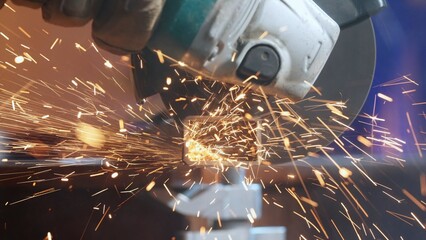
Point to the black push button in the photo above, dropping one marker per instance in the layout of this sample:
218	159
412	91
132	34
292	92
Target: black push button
262	61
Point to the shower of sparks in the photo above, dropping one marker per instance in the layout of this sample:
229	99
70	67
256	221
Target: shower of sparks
237	128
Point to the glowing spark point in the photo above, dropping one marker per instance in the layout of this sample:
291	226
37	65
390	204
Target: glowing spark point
10	8
217	137
313	87
150	186
278	205
203	230
345	173
384	97
285	113
240	97
47	59
4	35
90	135
114	175
414	135
108	64
54	43
286	142
264	34
250	218
24	32
248	116
364	141
253	213
218	219
94	47
420	223
160	56
309	201
168	81
234	55
252	77
318	174
79	47
19	59
121	125
28	56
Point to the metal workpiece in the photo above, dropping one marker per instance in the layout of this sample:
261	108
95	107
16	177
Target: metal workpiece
234	201
240	233
230	209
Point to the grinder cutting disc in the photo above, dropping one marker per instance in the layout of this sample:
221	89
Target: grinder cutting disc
346	78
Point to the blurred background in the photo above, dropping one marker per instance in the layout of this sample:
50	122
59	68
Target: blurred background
401	51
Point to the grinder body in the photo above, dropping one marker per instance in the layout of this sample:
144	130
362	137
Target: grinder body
280	46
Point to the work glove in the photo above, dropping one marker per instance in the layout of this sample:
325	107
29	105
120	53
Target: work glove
119	26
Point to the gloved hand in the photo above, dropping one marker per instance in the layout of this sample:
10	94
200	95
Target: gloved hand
119	26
